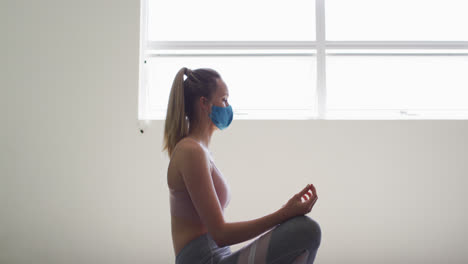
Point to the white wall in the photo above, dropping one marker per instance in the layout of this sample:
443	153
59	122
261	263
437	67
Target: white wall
80	184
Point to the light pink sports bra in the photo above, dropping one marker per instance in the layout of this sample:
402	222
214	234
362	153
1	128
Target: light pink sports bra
181	203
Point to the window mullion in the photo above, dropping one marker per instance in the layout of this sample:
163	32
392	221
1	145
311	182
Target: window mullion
304	45
216	45
396	44
321	94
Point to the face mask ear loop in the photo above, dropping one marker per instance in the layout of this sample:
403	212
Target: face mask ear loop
209	113
211	110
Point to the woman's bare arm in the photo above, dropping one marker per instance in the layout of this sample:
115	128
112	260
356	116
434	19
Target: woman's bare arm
198	181
237	232
241	231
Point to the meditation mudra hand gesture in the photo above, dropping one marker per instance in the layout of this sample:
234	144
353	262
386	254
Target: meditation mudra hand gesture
295	206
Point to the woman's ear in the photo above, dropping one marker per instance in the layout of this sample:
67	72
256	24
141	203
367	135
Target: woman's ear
205	103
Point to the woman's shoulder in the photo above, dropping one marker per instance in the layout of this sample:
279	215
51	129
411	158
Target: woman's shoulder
189	151
188	146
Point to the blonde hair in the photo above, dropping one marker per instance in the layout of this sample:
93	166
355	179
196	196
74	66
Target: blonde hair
181	110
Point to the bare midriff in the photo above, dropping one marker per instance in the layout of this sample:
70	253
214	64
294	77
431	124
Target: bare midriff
183	231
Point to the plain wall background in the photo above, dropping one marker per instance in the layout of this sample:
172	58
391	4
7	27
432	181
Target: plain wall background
81	184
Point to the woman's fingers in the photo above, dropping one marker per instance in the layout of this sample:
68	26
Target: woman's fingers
314	192
312	203
308	195
304	191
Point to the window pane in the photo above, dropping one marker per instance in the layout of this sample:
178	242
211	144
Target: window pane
255	83
397	82
208	20
396	20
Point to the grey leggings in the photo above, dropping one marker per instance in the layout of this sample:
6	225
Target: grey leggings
293	241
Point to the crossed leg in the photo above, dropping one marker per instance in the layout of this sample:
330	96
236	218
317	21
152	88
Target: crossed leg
294	241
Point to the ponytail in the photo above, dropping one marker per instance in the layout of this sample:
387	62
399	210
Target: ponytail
176	125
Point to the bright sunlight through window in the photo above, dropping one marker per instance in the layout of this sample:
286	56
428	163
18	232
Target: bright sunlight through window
314	59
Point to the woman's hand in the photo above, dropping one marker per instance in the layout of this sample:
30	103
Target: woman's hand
295	206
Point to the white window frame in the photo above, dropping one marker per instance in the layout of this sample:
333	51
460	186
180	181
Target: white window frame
178	48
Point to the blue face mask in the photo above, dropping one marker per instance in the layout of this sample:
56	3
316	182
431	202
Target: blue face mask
221	116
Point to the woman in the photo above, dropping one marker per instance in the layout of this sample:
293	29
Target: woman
199	193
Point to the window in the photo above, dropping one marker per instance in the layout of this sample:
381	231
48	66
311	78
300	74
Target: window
314	59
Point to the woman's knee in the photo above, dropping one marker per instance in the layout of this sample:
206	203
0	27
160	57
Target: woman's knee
305	228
